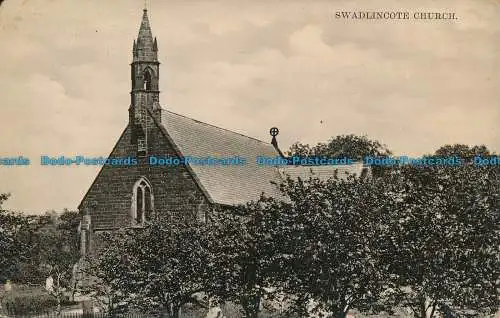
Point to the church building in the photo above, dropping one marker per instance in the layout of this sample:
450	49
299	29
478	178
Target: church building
129	195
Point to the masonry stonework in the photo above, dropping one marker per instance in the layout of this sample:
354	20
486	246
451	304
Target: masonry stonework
175	192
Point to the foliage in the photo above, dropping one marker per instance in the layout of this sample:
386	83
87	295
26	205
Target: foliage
316	247
463	151
57	242
241	265
58	248
39	245
350	146
34	247
423	237
13	227
54	246
32	301
326	248
103	272
155	268
345	146
445	236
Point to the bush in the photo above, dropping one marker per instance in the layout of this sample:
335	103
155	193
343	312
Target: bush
28	303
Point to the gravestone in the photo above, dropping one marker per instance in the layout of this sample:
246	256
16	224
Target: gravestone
49	284
8	286
214	312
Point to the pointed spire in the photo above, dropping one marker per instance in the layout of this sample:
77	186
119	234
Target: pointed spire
155	45
145	29
145	46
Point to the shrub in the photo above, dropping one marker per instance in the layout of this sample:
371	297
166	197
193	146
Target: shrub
29	303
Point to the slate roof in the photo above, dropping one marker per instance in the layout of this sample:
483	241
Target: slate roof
321	172
224	184
233	185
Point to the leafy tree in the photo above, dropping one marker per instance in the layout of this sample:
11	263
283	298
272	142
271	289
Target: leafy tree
242	248
42	243
350	146
104	272
316	247
327	250
155	269
69	222
421	237
463	151
446	237
53	250
12	227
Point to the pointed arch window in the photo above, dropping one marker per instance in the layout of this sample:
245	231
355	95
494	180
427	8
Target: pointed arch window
142	202
148	206
147	80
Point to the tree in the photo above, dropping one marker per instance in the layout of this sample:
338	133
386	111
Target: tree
445	236
327	247
13	226
40	243
316	246
424	237
69	222
154	269
55	247
463	151
350	146
241	246
104	271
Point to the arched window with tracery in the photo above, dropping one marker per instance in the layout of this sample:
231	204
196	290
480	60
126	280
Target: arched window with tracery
142	202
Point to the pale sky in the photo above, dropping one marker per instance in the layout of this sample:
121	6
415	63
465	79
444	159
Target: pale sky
245	66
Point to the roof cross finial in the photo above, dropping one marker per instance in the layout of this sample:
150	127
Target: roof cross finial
274	131
145	5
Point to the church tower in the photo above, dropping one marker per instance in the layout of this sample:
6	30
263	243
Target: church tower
145	95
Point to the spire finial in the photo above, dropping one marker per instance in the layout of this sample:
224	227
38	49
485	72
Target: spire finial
145	5
145	45
145	29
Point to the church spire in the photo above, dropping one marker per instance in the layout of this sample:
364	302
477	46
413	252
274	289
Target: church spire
145	29
146	45
145	70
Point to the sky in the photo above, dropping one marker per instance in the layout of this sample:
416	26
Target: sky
242	65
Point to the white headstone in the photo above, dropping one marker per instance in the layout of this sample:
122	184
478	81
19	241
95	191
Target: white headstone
8	286
74	273
49	284
214	312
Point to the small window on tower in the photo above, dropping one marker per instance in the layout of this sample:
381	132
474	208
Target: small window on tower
141	145
147	81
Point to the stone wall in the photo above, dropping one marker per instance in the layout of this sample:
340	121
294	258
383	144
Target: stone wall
176	193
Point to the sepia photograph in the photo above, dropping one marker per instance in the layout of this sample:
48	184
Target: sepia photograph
250	158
